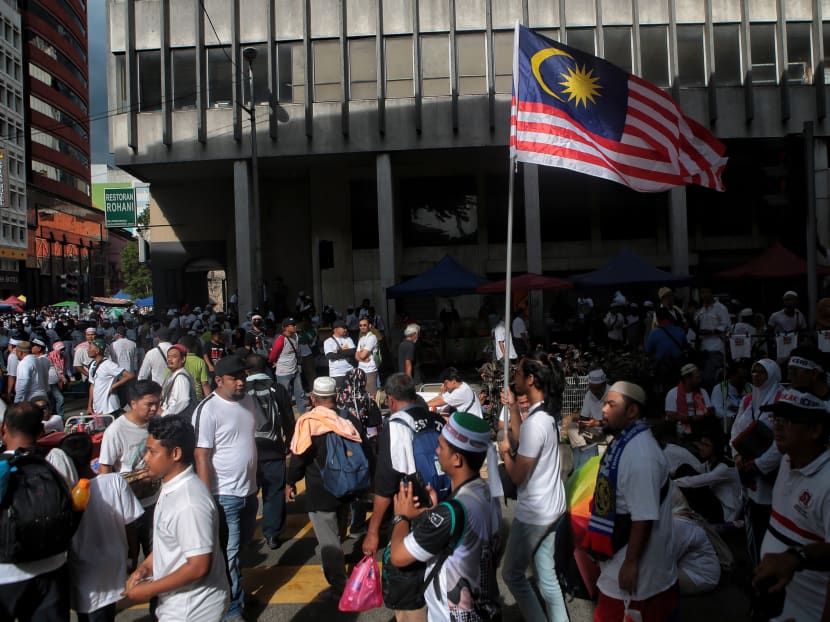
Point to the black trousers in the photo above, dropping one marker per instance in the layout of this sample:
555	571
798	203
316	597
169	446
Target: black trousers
44	598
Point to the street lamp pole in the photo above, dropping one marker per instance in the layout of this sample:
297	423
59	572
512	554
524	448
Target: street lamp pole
250	55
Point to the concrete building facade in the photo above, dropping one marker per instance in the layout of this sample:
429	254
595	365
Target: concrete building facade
382	126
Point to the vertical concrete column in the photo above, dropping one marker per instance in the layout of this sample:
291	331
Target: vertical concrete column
247	282
386	232
678	231
822	193
533	244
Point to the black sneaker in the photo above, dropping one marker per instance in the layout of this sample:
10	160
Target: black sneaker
273	542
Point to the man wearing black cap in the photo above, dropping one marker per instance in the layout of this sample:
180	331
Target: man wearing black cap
226	461
285	356
800	502
340	353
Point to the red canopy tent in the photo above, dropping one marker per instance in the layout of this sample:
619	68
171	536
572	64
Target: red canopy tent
14	301
775	262
525	282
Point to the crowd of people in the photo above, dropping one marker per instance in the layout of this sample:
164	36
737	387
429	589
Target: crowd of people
192	419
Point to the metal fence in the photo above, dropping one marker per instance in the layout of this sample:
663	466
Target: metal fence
574	394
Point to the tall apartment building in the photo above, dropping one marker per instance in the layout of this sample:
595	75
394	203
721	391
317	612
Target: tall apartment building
13	241
383	127
66	233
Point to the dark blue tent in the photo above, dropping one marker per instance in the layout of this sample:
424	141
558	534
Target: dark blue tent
627	268
144	302
446	278
122	295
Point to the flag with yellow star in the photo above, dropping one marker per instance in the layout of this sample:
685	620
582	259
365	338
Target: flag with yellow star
577	111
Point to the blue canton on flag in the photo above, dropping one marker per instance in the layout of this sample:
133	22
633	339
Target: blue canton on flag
576	111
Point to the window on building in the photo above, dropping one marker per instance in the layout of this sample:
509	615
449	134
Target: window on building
285	75
296	76
260	67
654	44
121	83
565	215
183	61
618	46
503	51
799	53
363	83
582	39
497	199
326	70
439	211
220	77
399	67
691	55
762	49
149	80
472	60
728	54
435	64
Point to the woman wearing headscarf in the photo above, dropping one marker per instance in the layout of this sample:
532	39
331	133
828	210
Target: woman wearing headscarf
756	456
353	399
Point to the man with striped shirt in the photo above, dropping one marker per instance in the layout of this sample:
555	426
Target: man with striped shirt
800	501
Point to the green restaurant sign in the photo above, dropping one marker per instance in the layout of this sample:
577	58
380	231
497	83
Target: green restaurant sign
119	206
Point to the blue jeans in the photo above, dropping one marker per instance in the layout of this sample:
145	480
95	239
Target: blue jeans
57	399
299	394
528	543
270	476
237	516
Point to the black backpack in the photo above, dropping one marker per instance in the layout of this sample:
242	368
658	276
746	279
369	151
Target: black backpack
36	515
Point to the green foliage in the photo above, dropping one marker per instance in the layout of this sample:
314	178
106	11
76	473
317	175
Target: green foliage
138	282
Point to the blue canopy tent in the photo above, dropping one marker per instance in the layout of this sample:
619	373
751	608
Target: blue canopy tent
144	302
446	278
122	295
627	268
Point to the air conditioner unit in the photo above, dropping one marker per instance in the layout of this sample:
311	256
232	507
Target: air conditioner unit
798	73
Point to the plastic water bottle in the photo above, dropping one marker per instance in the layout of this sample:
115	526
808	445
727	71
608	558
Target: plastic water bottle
80	495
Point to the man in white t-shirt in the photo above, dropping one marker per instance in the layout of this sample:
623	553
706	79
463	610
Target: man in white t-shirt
531	458
367	345
521	339
642	570
688	404
32	378
340	352
226	461
103	548
789	319
500	338
11	369
105	376
584	433
154	365
123	447
455	395
800	503
124	350
80	357
186	570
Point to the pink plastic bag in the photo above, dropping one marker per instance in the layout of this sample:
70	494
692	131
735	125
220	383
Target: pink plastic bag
363	590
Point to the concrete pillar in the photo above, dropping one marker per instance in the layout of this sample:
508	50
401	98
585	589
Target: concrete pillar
822	193
533	244
678	231
387	234
247	281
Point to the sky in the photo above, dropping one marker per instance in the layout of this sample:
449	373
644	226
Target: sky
98	105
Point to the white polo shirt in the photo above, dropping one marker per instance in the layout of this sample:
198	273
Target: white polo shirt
228	428
800	516
463	399
186	524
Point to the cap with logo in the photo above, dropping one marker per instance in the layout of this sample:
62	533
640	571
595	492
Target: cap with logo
289	321
596	376
792	403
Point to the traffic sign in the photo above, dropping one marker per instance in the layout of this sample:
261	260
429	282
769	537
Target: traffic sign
119	207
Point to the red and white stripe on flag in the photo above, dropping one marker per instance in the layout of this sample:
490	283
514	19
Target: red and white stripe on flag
660	147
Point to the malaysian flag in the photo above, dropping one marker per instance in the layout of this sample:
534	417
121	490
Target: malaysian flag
576	111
